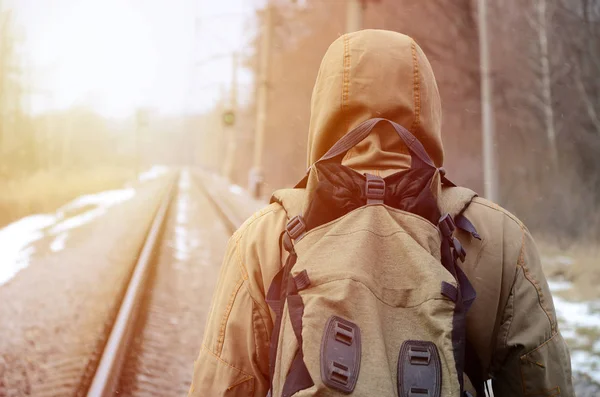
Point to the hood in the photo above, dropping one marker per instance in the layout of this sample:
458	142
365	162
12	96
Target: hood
375	73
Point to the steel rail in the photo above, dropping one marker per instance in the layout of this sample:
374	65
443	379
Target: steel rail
108	371
232	221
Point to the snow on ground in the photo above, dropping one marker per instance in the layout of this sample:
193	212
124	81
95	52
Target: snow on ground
235	189
17	238
59	242
579	323
558	260
96	205
153	173
105	198
16	242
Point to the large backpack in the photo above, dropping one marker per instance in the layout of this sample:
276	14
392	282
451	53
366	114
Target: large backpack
370	300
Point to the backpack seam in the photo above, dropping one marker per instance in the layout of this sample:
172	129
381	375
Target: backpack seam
395	210
378	235
365	230
377	296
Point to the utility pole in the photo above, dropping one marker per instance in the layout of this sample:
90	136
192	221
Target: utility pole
542	28
141	124
256	176
354	15
230	128
490	178
4	56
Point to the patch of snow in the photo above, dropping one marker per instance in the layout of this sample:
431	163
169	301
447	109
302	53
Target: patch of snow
105	198
153	173
15	241
58	244
571	317
101	201
559	285
587	363
558	260
235	189
77	220
576	314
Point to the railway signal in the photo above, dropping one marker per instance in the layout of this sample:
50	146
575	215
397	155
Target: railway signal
228	118
354	14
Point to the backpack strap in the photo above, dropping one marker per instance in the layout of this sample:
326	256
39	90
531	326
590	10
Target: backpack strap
284	289
454	201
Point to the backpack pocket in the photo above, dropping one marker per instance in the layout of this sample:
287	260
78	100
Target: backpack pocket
366	269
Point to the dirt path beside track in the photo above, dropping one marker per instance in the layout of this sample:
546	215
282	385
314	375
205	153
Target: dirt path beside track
55	312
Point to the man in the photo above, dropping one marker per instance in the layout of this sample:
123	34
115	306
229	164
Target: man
512	324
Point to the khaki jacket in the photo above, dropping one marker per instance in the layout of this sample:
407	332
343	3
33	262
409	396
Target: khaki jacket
512	324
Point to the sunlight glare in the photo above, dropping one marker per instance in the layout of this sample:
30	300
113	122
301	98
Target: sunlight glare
101	54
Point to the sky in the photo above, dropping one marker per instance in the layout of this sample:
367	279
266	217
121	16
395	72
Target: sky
117	56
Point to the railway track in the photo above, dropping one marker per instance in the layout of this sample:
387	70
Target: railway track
158	330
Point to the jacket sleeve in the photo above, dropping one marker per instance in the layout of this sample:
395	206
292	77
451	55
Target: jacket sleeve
531	357
233	357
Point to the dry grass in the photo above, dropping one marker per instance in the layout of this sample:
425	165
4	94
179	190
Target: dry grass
578	263
45	191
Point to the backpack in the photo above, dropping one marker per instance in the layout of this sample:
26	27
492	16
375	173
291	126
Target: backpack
371	300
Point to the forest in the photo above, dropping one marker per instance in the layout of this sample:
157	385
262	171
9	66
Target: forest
544	62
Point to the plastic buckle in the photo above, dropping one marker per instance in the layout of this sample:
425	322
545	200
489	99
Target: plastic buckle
418	392
295	227
375	189
340	354
302	281
343	333
419	355
339	373
446	225
419	370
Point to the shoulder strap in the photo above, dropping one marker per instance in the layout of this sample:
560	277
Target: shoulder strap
454	201
284	289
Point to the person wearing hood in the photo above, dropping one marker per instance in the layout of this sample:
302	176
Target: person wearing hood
512	323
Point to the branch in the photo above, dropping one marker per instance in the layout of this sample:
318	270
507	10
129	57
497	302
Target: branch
589	105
